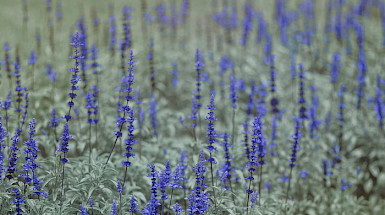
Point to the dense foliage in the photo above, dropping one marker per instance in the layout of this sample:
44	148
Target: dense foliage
192	107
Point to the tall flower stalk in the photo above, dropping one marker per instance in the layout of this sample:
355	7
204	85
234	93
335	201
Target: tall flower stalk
197	93
129	142
7	62
30	163
211	135
274	100
63	147
128	81
252	164
294	149
32	62
150	57
233	97
303	115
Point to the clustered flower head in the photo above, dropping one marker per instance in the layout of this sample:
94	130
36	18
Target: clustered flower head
3	134
274	101
335	67
6	104
226	167
198	64
130	140
152	111
75	77
256	141
152	206
133	205
315	122
18	200
11	168
211	133
247	23
51	73
199	199
164	180
295	147
301	100
63	147
233	91
32	58
30	161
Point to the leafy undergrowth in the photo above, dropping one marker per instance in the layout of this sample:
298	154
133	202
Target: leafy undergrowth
243	107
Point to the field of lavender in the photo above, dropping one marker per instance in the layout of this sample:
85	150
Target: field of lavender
192	107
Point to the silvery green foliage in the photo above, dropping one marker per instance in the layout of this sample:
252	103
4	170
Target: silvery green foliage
352	181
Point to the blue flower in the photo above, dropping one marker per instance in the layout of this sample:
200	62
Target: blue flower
130	140
91	203
226	168
177	208
361	64
93	57
32	58
233	91
152	206
211	133
194	112
150	57
176	177
11	168
120	187
304	173
284	178
301	100
198	64
83	210
59	14
18	200
262	27
184	10
51	73
183	167
377	102
152	111
133	205
30	165
175	74
6	104
63	147
75	78
114	210
274	101
164	180
112	31
295	147
247	23
267	186
335	67
257	139
314	125
345	184
199	199
3	134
